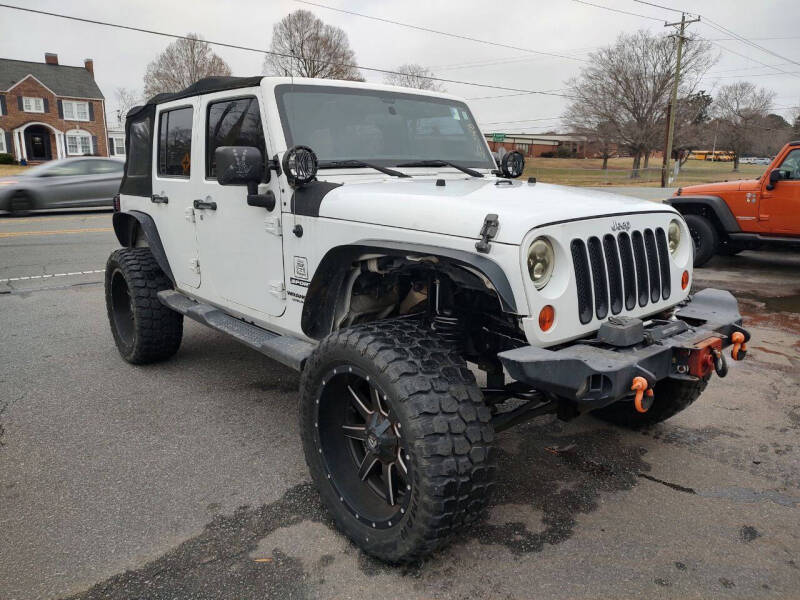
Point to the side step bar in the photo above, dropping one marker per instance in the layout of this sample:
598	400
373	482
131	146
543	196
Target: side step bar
292	352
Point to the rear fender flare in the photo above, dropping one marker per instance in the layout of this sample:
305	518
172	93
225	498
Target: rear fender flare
126	225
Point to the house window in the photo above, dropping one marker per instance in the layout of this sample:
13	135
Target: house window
75	111
3	148
32	104
78	143
117	145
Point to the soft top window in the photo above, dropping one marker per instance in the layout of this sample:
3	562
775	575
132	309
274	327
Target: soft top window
138	165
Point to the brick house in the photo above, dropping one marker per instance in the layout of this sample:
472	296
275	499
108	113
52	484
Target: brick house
50	111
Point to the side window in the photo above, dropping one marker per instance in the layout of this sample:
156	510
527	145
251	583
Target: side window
791	165
70	168
175	142
233	123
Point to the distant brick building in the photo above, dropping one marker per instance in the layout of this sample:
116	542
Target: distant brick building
533	145
50	111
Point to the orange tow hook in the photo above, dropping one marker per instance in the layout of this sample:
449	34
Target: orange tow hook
739	350
644	394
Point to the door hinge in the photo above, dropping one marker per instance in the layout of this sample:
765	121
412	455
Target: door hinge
273	225
194	265
189	214
277	289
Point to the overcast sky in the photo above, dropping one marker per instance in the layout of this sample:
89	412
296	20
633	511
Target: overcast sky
557	26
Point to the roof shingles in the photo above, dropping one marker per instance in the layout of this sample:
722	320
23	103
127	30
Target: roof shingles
73	82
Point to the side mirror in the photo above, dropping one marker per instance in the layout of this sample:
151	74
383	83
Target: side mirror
244	165
239	165
774	177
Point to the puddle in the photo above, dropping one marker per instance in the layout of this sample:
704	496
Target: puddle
789	304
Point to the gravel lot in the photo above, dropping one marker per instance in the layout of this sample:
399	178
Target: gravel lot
186	479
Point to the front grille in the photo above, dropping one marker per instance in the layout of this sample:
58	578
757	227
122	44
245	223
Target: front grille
619	271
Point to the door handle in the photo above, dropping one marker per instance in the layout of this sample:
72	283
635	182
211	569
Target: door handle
205	205
156	199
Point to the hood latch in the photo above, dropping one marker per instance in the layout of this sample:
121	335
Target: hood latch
488	231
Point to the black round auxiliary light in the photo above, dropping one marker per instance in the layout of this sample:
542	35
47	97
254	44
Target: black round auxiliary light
512	164
300	165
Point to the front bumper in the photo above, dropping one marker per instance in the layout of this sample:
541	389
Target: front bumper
594	374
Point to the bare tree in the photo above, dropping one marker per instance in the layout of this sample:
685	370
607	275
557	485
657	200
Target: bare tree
125	99
742	109
182	63
601	136
304	46
627	85
413	76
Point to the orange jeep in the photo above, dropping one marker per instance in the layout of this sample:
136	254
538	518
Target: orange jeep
732	216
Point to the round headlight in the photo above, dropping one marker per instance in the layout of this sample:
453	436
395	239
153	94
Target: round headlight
540	262
674	236
300	165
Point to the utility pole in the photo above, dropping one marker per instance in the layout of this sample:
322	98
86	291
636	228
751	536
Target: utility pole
665	167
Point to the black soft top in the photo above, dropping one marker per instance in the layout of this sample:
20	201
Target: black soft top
203	86
140	126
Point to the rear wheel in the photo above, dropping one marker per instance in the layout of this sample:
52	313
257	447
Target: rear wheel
705	238
144	329
671	397
20	204
397	438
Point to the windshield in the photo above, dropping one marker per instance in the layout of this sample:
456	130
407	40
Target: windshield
385	128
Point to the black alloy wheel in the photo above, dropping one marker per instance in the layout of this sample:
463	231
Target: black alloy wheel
361	440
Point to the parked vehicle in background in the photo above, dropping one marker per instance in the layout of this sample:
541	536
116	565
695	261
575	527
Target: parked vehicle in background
762	161
68	183
732	216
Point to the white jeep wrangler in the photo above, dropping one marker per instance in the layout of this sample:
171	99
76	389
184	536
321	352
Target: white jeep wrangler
365	236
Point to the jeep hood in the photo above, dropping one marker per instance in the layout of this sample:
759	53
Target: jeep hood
720	188
459	207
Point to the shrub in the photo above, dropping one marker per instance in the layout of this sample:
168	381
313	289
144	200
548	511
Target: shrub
7	159
547	154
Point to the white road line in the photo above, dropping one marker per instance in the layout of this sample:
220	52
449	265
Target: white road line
47	276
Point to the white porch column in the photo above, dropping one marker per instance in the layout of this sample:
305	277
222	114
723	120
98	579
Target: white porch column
59	144
22	144
17	150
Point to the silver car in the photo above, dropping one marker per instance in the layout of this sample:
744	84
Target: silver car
68	183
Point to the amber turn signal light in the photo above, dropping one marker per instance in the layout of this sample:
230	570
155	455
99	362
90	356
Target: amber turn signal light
546	317
684	280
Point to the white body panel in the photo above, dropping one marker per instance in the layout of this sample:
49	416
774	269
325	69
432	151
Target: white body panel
240	260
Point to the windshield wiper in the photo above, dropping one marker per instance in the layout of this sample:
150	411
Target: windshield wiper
336	164
442	163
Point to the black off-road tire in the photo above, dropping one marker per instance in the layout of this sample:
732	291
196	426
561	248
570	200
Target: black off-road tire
446	434
671	397
705	238
144	330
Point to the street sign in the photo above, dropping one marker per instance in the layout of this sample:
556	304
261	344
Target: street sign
498	137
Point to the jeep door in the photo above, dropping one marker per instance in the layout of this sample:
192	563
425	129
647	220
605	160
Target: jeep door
174	165
241	249
781	205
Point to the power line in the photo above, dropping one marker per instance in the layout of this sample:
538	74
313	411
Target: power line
445	33
714	25
512	95
261	51
617	10
699	37
520	121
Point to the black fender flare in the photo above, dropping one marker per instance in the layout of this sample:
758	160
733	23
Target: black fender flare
715	204
125	224
329	277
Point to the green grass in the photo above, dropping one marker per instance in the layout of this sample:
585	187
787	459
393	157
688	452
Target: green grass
588	172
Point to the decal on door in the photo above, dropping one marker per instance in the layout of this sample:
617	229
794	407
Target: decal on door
300	272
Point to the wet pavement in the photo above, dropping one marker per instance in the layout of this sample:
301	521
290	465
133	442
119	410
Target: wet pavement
186	480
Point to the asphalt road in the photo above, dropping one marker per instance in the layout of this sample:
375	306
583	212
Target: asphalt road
186	479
